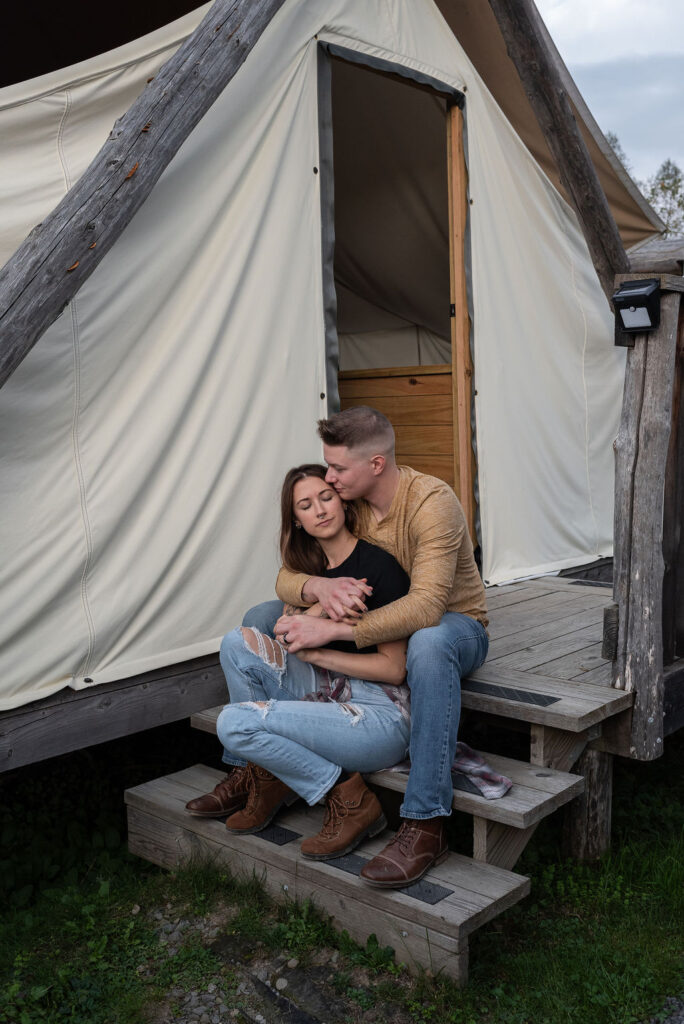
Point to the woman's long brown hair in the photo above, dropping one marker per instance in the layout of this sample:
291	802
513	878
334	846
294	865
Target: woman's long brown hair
299	550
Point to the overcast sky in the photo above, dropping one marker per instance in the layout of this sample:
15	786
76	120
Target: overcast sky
627	58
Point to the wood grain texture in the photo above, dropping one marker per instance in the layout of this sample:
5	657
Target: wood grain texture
668	282
411	410
673	514
384	382
162	831
519	22
556	748
441	466
60	254
587	823
625	461
534	794
643	662
499	844
70	720
169	845
424	440
461	358
397	371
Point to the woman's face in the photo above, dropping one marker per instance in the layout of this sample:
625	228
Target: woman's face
317	506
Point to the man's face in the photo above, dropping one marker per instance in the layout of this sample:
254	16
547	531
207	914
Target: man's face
350	473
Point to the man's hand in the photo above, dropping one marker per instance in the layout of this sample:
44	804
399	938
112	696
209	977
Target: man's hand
340	597
303	631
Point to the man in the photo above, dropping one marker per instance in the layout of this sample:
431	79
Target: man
419	520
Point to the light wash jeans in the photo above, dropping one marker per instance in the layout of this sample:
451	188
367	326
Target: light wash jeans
437	659
306	744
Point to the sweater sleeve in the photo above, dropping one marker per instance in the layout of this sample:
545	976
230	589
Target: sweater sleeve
289	586
438	528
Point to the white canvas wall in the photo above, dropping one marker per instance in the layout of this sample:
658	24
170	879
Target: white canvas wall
145	436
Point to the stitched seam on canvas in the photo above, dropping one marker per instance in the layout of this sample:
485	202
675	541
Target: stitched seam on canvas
60	141
585	393
75	437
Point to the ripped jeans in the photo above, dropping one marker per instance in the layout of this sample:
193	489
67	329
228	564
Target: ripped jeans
305	744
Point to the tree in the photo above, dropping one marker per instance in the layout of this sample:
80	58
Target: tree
616	146
665	192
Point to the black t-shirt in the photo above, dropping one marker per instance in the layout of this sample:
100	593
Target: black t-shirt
384	575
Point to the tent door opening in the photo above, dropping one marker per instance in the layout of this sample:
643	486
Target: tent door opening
396	190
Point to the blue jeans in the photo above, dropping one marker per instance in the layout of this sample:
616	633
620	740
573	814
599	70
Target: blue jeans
438	657
306	744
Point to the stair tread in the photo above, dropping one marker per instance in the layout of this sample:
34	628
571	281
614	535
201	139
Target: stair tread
476	892
570	705
536	791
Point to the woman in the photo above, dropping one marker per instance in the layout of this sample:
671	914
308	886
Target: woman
299	724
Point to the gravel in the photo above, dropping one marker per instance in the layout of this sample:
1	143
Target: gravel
274	989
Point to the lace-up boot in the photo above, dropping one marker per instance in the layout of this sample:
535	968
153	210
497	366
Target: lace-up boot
227	797
352	812
417	846
266	795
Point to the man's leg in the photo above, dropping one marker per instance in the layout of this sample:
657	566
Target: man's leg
437	659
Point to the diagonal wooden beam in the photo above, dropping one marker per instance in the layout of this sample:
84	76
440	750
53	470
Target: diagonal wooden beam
525	38
61	253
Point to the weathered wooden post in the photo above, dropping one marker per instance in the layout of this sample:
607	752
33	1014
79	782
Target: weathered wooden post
60	254
649	556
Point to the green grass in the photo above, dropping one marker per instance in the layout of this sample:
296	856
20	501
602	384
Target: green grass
597	944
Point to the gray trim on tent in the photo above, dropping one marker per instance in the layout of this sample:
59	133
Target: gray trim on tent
327	193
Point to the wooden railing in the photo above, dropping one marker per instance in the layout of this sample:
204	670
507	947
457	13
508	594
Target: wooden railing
649	514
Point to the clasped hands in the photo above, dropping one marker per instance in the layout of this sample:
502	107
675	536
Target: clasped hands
342	599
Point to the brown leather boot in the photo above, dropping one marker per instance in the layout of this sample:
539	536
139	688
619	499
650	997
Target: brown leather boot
225	798
417	846
266	796
352	813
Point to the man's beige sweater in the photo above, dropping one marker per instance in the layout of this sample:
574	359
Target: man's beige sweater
425	530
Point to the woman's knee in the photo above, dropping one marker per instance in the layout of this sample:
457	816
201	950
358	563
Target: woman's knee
263	616
238	722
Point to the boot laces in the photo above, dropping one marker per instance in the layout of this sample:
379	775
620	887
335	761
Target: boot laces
226	786
335	811
252	780
402	838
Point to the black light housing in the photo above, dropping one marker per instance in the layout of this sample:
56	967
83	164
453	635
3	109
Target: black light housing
637	306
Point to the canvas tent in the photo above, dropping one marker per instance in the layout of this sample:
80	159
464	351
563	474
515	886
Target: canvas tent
145	436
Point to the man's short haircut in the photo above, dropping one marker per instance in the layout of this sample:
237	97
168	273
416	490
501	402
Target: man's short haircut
358	427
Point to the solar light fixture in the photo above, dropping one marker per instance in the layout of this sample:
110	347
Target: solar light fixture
637	307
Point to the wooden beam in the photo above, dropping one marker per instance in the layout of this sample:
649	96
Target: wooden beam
673	543
587	823
524	35
642	447
462	366
61	253
72	719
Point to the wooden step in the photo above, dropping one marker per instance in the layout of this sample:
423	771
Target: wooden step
536	791
569	705
428	924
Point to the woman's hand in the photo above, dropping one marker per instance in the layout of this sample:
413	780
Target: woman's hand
308	654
